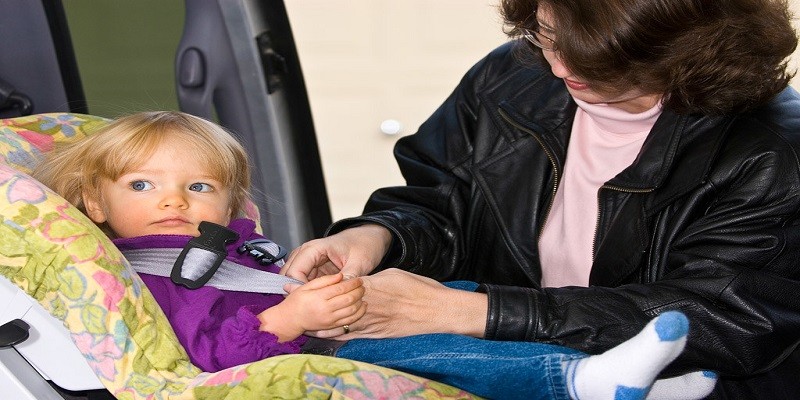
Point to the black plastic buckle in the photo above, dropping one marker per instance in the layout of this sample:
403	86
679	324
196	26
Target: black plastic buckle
260	250
211	242
14	332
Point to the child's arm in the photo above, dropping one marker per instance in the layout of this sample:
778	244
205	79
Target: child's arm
324	303
218	329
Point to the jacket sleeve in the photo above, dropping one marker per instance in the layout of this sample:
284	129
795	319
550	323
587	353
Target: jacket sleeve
217	331
240	341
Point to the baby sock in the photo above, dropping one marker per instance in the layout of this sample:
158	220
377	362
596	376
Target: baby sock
691	386
627	371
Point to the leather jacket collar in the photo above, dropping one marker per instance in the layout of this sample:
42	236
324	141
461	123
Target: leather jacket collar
549	119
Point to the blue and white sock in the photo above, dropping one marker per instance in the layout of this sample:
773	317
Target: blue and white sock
627	371
691	386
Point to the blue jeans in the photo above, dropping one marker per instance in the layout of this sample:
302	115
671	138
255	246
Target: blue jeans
491	369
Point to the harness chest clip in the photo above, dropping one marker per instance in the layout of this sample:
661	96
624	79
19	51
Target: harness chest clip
202	256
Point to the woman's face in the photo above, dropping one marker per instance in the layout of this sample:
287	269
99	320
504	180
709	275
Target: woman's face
633	100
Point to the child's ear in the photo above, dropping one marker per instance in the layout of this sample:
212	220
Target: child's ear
93	208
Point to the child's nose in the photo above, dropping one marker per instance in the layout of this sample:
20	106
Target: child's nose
175	199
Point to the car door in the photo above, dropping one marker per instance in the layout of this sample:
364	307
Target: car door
235	63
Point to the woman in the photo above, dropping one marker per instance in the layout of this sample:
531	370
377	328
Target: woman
625	157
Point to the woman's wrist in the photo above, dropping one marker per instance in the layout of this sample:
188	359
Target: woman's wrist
465	313
472	313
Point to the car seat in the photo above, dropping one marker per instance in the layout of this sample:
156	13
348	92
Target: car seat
79	316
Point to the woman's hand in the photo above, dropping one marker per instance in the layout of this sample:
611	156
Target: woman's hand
327	302
354	251
400	303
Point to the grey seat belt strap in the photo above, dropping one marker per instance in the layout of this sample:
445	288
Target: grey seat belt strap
229	276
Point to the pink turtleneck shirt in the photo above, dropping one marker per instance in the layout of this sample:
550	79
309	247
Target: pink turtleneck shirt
604	141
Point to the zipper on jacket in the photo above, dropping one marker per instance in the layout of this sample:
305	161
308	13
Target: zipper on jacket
549	157
556	178
600	210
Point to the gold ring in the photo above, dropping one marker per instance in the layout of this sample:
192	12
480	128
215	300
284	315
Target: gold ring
346	329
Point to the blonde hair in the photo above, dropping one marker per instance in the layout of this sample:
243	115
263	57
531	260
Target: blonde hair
76	169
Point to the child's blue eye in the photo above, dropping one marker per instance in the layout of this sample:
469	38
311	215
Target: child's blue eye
141	185
200	187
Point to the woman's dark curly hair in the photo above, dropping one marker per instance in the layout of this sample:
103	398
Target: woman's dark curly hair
706	56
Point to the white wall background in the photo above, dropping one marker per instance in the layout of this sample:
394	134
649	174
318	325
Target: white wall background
379	60
366	61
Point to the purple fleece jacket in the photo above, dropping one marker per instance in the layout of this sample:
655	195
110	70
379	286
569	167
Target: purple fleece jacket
218	328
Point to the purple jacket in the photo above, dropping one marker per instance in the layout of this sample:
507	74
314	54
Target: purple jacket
218	328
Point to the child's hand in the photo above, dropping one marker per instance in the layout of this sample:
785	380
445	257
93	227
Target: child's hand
323	303
326	302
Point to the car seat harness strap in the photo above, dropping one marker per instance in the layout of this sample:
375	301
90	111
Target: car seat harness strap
202	263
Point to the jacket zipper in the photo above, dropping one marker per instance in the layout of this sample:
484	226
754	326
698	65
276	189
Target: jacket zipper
600	210
556	178
549	157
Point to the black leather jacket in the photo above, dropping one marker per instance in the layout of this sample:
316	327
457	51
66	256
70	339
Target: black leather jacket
705	221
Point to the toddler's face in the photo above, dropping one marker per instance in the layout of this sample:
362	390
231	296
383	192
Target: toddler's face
168	194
